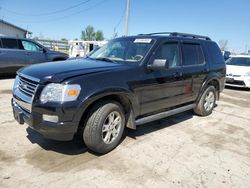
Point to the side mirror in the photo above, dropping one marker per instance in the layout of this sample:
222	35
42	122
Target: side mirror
44	50
226	55
159	64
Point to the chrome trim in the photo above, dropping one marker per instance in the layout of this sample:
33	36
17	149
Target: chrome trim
22	104
26	87
26	92
20	95
163	114
29	77
22	80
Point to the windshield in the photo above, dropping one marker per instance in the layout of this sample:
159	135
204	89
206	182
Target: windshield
240	61
129	50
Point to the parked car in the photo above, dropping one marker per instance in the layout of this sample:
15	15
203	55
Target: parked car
238	71
16	53
128	82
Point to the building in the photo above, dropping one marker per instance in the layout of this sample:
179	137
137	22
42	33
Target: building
8	29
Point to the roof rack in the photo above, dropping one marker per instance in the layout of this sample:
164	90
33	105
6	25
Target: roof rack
176	34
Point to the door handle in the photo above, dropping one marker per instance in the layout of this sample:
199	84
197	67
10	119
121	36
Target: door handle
205	70
28	53
177	74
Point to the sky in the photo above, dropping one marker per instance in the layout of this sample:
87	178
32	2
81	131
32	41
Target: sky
54	19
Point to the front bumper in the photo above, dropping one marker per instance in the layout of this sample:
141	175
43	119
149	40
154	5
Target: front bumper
57	131
240	81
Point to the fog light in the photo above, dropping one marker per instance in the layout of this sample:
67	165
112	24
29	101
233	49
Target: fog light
50	118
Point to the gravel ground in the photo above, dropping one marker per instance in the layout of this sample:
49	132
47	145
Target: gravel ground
181	151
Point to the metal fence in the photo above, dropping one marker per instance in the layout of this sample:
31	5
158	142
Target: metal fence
55	44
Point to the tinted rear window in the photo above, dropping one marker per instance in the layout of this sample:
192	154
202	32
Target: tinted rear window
192	54
10	43
215	53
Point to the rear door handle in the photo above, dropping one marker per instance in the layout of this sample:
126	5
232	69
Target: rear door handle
28	53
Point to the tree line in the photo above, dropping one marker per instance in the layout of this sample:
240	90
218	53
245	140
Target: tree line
88	34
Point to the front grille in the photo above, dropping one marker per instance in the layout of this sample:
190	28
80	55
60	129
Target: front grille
241	83
27	86
236	82
233	75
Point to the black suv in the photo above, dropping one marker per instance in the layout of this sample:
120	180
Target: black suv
16	53
128	82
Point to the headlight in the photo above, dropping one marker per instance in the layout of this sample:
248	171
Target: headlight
60	93
247	74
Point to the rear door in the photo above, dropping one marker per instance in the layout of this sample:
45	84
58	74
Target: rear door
162	89
195	70
11	56
33	52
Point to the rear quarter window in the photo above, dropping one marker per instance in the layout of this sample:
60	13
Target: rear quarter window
215	53
192	54
10	43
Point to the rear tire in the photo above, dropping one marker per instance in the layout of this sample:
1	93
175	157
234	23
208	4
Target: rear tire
104	127
206	103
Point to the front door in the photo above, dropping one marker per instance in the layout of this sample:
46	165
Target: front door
34	53
162	89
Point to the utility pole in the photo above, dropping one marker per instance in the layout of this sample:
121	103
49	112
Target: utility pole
127	17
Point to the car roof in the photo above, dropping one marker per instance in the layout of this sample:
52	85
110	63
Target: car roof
9	37
173	35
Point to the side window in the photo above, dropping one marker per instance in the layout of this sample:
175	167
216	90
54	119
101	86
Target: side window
169	51
10	43
192	54
30	46
215	53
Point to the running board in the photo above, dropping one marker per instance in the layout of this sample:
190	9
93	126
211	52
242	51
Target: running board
163	114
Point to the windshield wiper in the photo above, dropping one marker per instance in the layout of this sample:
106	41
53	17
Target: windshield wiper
104	59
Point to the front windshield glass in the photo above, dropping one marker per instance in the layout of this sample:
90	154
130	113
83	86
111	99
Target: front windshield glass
129	50
240	61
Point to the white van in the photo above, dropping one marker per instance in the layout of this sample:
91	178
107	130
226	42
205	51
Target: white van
80	48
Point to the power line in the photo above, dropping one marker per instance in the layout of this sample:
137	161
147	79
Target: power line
48	13
63	17
121	18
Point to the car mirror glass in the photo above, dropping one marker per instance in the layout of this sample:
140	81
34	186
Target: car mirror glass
159	64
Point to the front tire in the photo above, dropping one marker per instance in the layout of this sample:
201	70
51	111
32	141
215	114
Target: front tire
206	103
104	127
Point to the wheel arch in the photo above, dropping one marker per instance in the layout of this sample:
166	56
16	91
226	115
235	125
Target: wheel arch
214	81
123	98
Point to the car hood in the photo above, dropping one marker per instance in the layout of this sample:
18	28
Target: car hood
61	70
237	70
